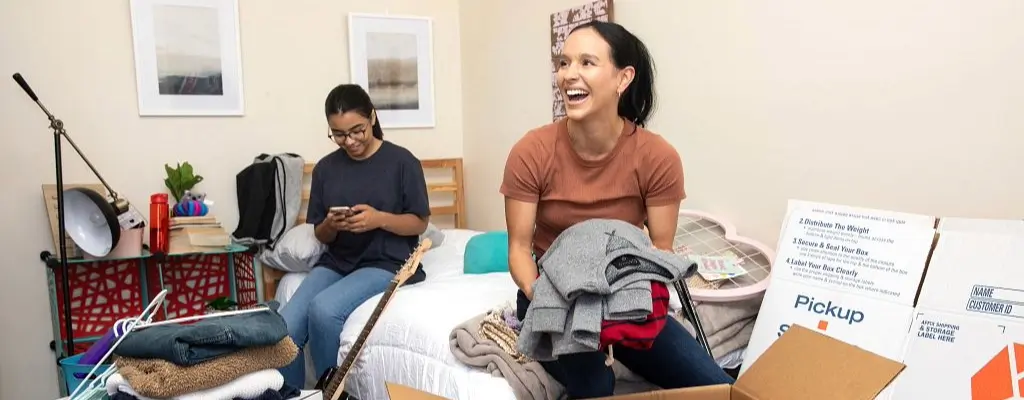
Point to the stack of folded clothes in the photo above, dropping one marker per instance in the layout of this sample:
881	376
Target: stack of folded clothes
220	358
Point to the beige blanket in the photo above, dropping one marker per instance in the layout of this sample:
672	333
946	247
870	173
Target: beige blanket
728	325
528	379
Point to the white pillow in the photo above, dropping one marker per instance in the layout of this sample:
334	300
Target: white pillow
446	260
298	250
435	235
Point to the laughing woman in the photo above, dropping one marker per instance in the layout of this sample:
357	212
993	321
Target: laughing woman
600	162
382	185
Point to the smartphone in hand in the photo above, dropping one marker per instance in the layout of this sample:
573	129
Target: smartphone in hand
341	210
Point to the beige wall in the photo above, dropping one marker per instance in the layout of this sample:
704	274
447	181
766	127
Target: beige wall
78	57
909	105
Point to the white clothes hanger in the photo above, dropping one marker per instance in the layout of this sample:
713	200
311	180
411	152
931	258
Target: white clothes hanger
93	382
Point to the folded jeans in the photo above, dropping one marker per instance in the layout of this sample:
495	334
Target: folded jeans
205	339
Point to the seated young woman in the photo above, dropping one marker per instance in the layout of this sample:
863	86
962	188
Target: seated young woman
600	162
383	188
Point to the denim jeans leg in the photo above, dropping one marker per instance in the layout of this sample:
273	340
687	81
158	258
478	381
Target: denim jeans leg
676	360
296	316
331	308
584	375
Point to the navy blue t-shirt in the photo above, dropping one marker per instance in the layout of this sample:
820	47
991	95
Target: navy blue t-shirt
392	181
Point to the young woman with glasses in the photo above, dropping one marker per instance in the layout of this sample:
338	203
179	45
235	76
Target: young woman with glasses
368	202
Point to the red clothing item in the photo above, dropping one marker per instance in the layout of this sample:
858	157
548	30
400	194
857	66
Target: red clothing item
639	334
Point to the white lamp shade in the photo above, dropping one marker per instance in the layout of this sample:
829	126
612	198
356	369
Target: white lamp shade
90	221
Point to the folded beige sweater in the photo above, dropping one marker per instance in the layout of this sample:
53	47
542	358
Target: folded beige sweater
163	379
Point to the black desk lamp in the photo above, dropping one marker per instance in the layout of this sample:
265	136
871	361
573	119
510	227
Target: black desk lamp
95	222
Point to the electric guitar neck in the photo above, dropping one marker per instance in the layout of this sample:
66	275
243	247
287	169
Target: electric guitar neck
332	383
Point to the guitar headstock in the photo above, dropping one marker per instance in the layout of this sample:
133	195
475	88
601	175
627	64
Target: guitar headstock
413	262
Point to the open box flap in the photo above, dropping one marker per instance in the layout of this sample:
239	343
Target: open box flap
804	364
402	392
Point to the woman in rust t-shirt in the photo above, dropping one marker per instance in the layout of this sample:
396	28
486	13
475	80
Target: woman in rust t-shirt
599	162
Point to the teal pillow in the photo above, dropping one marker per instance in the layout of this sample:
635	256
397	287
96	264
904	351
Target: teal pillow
486	253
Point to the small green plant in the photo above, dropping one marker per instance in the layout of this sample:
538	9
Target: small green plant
180	179
221	304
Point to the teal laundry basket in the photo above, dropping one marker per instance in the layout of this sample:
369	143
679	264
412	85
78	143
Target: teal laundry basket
75	373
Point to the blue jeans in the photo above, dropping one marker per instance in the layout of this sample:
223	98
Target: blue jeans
676	360
317	311
204	340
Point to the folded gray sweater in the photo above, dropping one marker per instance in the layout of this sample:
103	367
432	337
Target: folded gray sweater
599	269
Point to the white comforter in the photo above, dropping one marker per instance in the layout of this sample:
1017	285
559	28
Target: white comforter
409	344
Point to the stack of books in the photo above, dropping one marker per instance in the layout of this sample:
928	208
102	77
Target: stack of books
197	234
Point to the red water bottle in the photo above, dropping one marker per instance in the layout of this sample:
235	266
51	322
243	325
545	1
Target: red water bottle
159	224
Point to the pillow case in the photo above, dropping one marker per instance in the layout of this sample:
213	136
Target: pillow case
298	250
486	253
435	235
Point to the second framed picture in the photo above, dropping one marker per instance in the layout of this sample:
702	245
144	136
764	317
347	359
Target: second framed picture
392	58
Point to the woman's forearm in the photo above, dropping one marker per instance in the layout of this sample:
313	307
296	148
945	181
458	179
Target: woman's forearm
403	224
523	269
324	233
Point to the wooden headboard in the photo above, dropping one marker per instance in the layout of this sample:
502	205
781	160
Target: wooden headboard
452	185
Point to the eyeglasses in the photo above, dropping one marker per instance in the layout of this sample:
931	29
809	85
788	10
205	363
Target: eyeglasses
340	136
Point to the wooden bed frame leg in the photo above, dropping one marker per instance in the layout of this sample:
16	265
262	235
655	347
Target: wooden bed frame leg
271	278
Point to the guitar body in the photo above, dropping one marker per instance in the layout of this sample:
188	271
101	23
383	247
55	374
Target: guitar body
332	382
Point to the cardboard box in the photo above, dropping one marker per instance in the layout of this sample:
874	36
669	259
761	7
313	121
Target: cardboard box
976	273
871	254
802	364
874	325
958	356
982	225
402	392
851	273
967	338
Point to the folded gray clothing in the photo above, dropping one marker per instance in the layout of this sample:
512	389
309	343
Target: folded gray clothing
632	302
548	310
580	259
595	270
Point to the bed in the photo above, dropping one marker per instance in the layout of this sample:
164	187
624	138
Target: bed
410	344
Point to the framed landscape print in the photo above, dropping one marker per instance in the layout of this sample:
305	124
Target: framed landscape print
392	58
187	57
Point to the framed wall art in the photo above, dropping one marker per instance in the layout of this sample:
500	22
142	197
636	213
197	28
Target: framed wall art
188	59
392	58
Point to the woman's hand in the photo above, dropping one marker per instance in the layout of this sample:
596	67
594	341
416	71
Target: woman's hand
335	221
365	218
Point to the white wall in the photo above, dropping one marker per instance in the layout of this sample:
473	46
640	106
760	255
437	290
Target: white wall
78	57
910	105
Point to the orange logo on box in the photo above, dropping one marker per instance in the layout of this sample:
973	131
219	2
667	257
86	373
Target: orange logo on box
1001	376
822	325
